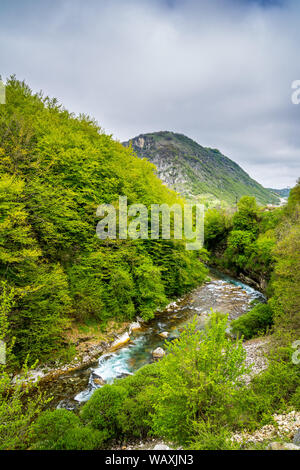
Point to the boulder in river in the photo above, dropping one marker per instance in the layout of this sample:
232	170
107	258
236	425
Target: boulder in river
121	341
134	326
99	381
158	353
164	334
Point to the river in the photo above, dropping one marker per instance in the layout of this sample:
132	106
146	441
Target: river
221	293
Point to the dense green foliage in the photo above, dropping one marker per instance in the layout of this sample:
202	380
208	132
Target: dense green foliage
285	300
250	243
255	322
55	170
197	171
62	430
216	227
264	245
199	381
17	407
195	396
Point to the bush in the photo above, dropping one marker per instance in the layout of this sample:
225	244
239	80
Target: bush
83	438
246	218
138	406
278	385
255	322
103	409
51	426
239	249
123	408
273	390
21	402
286	283
62	430
216	227
212	438
295	400
198	381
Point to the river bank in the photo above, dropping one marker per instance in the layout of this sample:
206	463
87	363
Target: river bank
130	346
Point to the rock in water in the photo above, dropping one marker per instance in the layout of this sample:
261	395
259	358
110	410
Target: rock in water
99	381
164	334
120	341
134	326
158	353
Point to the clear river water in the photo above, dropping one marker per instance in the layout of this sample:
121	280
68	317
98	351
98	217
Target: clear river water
221	293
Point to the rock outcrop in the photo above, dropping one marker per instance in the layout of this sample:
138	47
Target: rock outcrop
158	353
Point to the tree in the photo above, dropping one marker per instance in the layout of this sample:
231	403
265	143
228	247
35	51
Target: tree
56	169
239	248
18	407
294	197
246	218
286	285
198	380
216	227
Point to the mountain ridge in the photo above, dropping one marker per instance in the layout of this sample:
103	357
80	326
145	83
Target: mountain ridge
283	192
197	171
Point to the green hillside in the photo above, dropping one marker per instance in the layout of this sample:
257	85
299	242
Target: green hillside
193	170
55	170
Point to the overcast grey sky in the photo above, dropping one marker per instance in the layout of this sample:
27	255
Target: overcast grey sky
219	71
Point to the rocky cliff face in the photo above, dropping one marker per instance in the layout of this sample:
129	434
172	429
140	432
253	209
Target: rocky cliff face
195	171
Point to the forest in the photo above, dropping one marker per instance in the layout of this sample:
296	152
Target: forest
55	273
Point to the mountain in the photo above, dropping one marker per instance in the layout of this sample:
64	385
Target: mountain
285	192
197	171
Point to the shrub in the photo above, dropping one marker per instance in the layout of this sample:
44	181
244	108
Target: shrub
295	399
286	284
246	218
83	438
255	322
22	401
198	381
62	430
134	418
239	248
51	426
103	409
278	385
212	438
215	227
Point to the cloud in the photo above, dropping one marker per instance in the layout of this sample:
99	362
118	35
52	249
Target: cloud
217	71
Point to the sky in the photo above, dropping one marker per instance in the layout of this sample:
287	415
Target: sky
218	71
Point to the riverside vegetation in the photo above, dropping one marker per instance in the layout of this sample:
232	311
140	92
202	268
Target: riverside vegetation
55	170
